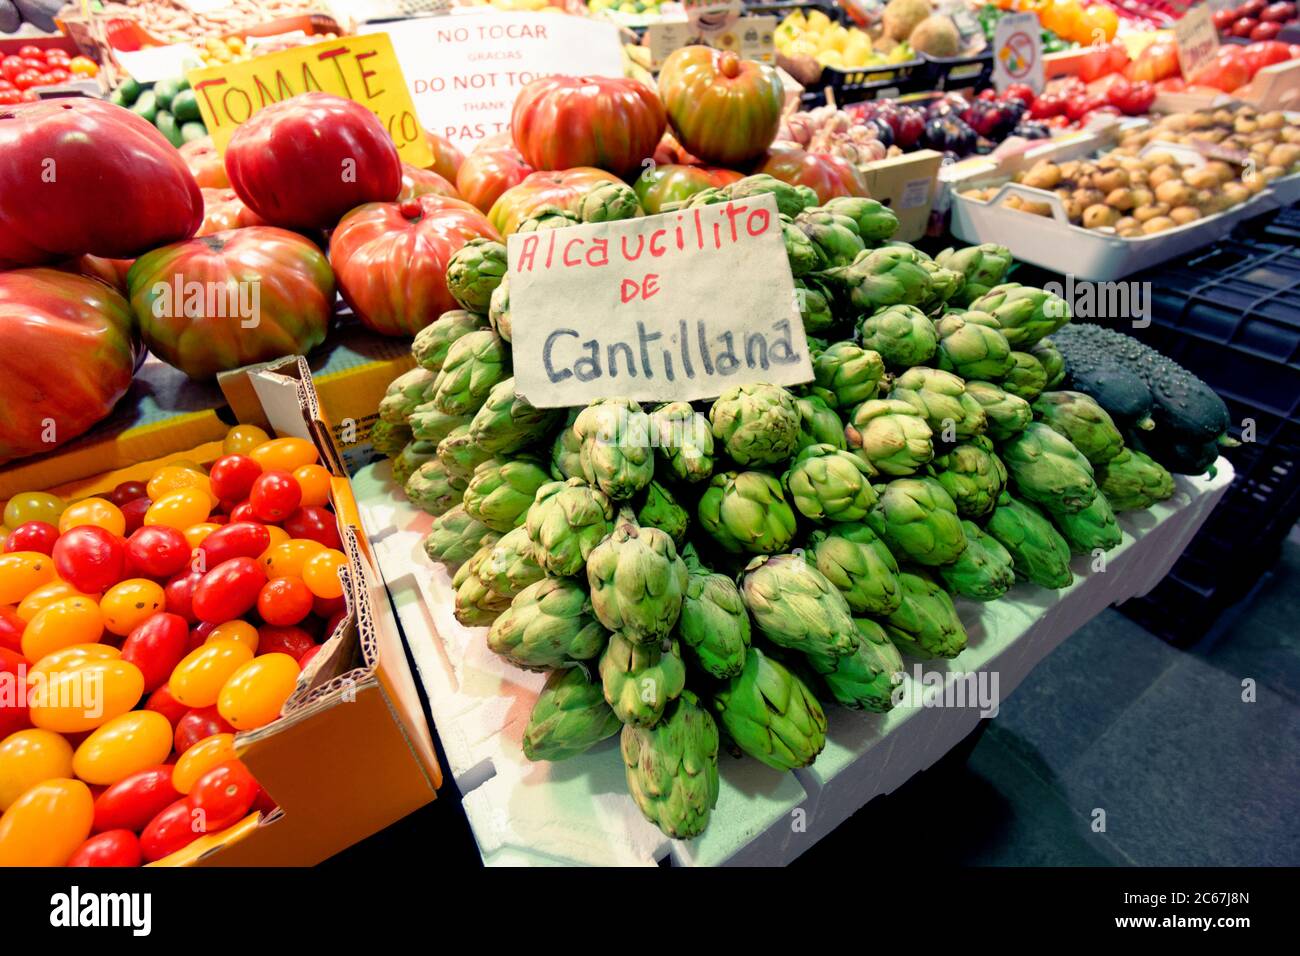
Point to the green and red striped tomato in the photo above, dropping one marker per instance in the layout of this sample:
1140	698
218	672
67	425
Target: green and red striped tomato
68	350
493	167
660	185
723	109
561	188
223	210
218	302
826	175
446	157
421	182
391	259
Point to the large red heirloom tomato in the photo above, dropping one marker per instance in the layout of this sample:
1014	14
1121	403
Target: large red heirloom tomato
223	211
723	109
305	161
560	122
563	189
205	163
68	350
111	271
78	175
493	167
446	157
419	182
660	185
221	301
391	259
826	175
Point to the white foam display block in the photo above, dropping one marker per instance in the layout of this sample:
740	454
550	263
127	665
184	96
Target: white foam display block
577	812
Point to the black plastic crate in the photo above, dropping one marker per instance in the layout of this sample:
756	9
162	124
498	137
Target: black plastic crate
870	83
957	72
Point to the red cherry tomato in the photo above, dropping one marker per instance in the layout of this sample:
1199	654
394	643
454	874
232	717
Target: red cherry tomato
243	512
57	74
35	61
157	551
240	539
89	558
284	601
11	630
134	511
157	646
31	50
326	608
11	66
199	724
26	79
333	623
13	703
110	848
223	796
133	801
180	594
232	477
161	701
229	590
10	97
172	829
274	496
306	658
315	523
293	641
33	536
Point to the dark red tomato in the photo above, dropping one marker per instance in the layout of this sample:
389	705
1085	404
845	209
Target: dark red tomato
232	477
263	802
1223	19
229	590
89	558
275	496
306	658
1243	26
239	539
200	633
333	623
315	523
199	724
326	608
133	511
133	801
223	796
157	646
157	551
293	641
242	512
11	630
218	518
110	848
284	601
33	536
128	491
172	829
13	703
162	702
180	594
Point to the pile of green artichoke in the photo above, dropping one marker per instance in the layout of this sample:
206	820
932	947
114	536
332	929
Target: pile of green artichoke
709	574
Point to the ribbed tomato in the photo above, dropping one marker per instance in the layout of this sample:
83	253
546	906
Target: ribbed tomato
391	259
493	167
68	349
659	185
560	122
446	157
669	152
828	176
723	109
563	188
223	211
421	182
246	295
305	161
112	271
205	163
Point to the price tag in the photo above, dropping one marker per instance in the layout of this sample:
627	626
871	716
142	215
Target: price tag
1018	52
679	307
1197	39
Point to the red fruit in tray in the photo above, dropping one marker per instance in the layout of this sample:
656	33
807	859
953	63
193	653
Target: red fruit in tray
1278	13
1243	26
1265	30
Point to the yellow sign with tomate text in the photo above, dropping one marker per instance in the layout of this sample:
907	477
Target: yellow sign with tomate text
360	68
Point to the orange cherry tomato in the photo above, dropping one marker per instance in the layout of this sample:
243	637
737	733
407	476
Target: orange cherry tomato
242	439
73	620
129	604
22	572
176	476
47	824
198	678
83	66
284	454
255	693
278	536
97	511
284	601
123	746
47	594
320	573
286	559
72	656
180	509
86	695
201	758
195	533
314	480
236	630
29	757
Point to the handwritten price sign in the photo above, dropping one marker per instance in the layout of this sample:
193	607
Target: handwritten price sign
1198	41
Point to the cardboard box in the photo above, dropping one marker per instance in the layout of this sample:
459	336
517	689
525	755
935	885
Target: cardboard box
907	185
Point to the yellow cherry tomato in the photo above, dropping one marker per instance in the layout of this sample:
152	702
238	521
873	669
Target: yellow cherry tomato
47	594
29	757
255	693
201	758
33	506
22	572
278	536
85	696
195	533
284	454
242	439
74	656
198	678
314	480
188	464
123	746
73	620
93	511
321	573
47	824
180	509
286	559
237	630
174	477
130	603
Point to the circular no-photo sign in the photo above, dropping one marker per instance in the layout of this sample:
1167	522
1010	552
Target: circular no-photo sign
1018	54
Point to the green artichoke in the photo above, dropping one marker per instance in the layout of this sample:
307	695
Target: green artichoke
945	284
860	566
1027	377
657	508
474	271
683	441
834	237
510	566
501	491
827	484
819	424
641	680
569	717
566	520
475	363
404	393
875	221
973	476
1039	553
566	454
1085	423
940	397
432	342
891	436
431	488
795	606
499	310
747	511
1047	469
506	422
672	768
926	623
800	251
1007	414
816	307
985	570
431	425
1053	362
847	375
1025	315
1092	529
607	202
548	217
455	537
984	267
389	438
790	200
756	424
771	714
877	278
548	624
415	454
865	679
617	454
903	335
714	623
477	605
919	522
460	454
637	581
1133	480
972	347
